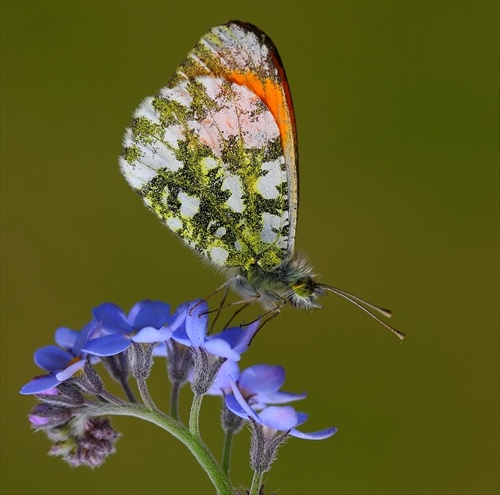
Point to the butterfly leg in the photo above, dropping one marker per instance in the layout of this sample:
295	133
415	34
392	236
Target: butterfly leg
225	286
246	302
273	312
223	300
236	282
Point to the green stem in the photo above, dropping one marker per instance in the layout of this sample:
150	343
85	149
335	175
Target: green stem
193	443
174	400
145	395
194	415
226	453
108	397
256	483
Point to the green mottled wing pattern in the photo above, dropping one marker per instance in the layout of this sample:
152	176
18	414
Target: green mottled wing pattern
209	156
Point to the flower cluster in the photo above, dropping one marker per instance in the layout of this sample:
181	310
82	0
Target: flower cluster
73	397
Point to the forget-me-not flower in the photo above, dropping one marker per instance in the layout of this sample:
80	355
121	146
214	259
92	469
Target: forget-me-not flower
274	418
259	384
147	322
64	361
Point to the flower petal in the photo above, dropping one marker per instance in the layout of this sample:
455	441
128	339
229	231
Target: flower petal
52	358
66	337
40	384
239	338
112	318
91	330
281	418
302	417
178	319
37	420
148	335
160	350
150	314
108	345
70	370
219	347
235	407
197	322
136	308
262	378
316	435
242	403
222	385
181	336
262	400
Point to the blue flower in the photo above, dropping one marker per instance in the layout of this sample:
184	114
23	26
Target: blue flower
176	321
147	322
228	344
273	419
222	383
259	384
61	362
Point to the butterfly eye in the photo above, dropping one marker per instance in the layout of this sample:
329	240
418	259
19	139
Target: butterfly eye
304	287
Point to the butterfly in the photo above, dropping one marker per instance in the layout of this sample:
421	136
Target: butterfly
214	155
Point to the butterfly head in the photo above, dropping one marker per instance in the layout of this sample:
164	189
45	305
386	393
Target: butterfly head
301	290
304	293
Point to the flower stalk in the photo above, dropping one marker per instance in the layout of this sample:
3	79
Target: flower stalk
194	415
74	402
192	441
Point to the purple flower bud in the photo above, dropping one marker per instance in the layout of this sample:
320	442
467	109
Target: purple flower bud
86	441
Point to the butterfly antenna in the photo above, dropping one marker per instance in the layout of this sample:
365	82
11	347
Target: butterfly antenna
357	301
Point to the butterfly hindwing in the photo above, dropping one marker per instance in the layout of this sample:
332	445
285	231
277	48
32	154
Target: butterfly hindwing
213	154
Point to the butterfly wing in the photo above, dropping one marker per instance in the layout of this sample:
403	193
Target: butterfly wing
214	153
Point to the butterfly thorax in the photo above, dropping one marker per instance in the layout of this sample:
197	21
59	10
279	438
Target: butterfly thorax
289	282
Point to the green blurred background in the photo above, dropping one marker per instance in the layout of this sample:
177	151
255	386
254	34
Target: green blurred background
397	109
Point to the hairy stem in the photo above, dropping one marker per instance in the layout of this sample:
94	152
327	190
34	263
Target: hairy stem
205	458
194	416
226	453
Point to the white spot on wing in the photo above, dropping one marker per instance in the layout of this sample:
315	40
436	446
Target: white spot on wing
172	135
219	255
174	223
189	204
138	174
266	184
209	163
245	47
220	231
178	94
270	222
232	183
146	110
152	158
165	158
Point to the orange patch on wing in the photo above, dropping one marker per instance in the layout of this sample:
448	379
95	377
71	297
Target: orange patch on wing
272	94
